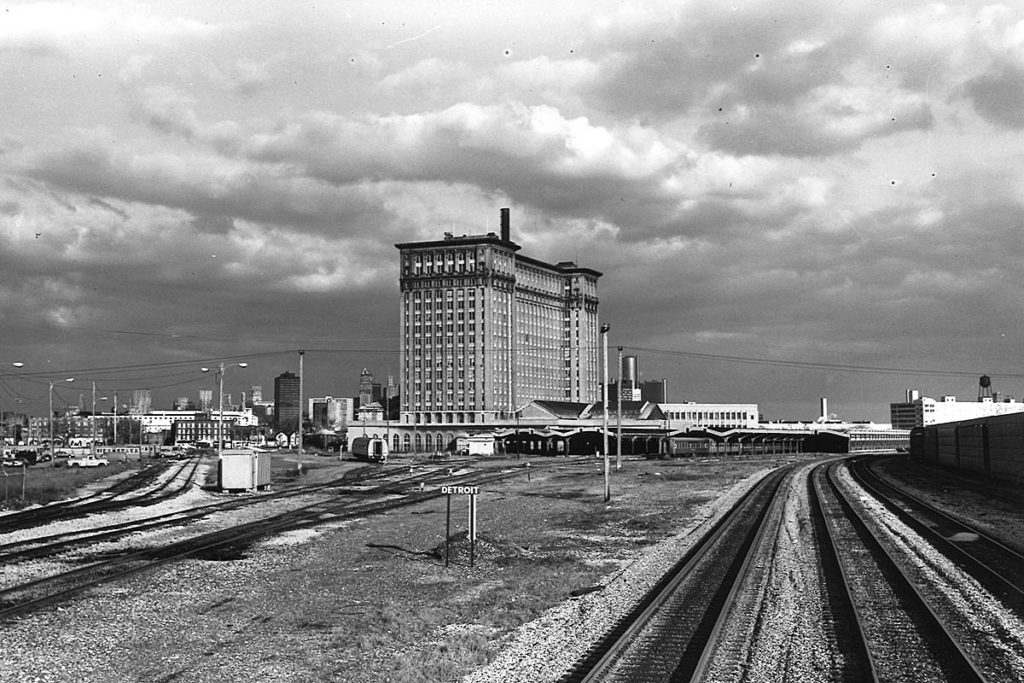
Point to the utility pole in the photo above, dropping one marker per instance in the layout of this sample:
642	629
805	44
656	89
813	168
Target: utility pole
618	416
220	407
301	354
92	419
53	451
604	412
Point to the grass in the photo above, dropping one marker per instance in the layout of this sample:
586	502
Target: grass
44	484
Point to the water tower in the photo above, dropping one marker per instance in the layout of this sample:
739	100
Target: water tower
985	389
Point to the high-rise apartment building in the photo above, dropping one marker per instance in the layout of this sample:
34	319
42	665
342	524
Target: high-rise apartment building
206	400
485	329
286	402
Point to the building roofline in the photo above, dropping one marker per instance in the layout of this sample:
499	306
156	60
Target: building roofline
451	240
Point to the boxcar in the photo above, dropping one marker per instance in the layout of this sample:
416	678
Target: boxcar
946	453
1006	446
972	445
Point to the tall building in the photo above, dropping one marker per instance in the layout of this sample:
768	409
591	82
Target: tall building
331	413
286	402
205	400
654	390
485	329
255	394
366	388
142	402
628	387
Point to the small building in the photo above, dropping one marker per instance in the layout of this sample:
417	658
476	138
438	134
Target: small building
243	470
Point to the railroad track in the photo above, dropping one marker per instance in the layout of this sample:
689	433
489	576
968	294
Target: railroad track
996	566
907	637
353	482
664	637
810	578
141	484
38	593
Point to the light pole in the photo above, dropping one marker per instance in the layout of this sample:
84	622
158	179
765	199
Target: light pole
299	431
618	418
220	403
604	404
53	451
92	418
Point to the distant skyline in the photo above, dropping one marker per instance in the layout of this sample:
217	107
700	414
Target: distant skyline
788	200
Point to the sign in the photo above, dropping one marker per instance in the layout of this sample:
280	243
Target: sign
460	490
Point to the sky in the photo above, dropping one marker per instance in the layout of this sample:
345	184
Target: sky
787	200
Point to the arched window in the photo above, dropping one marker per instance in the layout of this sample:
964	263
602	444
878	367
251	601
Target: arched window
405	443
428	442
397	442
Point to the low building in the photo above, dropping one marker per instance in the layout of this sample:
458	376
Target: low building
923	411
691	415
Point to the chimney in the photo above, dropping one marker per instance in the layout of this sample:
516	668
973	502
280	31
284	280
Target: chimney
506	226
824	409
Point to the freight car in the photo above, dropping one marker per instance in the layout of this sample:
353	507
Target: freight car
990	445
370	448
681	446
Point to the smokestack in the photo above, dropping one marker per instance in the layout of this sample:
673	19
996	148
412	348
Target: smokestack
506	226
824	408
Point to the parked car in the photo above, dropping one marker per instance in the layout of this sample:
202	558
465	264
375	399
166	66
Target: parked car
87	461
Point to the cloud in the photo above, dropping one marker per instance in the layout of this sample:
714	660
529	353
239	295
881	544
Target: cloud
58	25
206	185
998	95
828	120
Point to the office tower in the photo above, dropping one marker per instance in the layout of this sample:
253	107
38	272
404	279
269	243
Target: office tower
485	329
286	402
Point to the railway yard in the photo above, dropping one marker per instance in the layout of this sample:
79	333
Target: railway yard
796	568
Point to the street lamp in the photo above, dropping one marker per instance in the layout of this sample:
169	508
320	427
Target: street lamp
220	402
53	451
604	402
92	418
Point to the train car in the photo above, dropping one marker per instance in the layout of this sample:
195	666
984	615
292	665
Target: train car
918	450
1006	446
991	445
682	446
369	448
972	445
946	453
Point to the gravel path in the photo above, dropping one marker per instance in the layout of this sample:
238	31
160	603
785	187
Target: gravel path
779	628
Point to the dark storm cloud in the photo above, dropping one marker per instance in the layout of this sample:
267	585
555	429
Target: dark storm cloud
998	95
207	186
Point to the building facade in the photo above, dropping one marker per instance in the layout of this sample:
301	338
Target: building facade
485	330
286	402
924	411
332	413
710	415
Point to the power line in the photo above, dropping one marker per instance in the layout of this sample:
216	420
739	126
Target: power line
813	365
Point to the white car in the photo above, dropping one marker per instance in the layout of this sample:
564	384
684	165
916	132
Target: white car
87	461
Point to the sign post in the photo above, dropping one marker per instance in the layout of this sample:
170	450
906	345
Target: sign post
472	492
